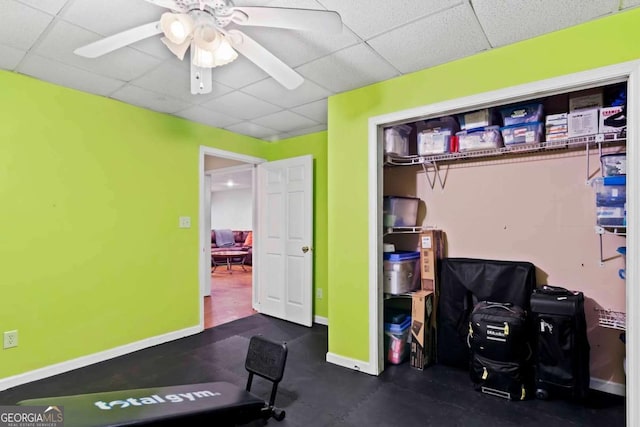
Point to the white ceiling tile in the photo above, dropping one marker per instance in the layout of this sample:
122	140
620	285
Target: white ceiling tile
208	117
306	131
21	25
509	21
314	110
276	93
123	64
65	75
299	47
433	40
630	3
239	73
350	68
110	17
52	7
148	99
252	129
10	57
285	121
378	16
173	78
113	16
241	105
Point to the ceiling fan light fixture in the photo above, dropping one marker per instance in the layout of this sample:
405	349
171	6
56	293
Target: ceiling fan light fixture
177	27
178	50
211	49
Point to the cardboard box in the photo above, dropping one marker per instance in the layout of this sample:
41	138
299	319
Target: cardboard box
431	250
556	119
583	122
608	112
587	99
423	347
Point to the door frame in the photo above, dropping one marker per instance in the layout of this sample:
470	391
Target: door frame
630	71
204	263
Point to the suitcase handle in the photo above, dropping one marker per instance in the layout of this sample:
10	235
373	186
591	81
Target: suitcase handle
504	305
554	290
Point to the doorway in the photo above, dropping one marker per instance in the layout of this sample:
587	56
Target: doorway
227	204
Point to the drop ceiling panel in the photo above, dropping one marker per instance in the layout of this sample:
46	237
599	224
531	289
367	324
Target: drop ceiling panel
252	129
52	7
10	57
65	75
208	117
298	47
436	39
241	105
509	21
347	69
314	110
299	132
630	3
147	99
21	25
173	78
274	92
375	17
113	16
285	121
239	73
123	64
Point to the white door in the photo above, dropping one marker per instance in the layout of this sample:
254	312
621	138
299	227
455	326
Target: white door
205	274
284	240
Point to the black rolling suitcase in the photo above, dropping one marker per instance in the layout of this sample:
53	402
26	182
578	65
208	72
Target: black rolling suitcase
499	340
562	348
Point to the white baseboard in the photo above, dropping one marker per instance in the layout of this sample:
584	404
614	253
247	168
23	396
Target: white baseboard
321	320
90	359
346	362
608	387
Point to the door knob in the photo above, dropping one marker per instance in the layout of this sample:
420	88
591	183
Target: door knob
305	249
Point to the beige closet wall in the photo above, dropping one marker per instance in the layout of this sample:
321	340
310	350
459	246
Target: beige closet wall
535	208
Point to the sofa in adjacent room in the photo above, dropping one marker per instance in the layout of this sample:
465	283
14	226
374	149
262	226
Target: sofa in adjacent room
242	241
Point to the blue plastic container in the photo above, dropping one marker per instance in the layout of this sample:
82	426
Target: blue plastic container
521	113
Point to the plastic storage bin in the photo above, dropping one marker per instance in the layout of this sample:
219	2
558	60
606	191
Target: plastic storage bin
611	191
434	136
396	140
400	211
401	271
614	164
526	133
479	139
476	119
522	113
610	216
396	340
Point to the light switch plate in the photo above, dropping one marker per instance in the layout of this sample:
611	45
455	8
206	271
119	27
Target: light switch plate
185	222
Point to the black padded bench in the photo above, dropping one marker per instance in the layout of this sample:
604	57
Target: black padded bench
214	403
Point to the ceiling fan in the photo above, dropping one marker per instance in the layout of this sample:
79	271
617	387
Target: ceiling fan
208	28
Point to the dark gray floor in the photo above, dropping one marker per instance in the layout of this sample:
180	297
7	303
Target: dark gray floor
316	393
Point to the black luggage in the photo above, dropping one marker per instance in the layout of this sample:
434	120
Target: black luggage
562	347
499	340
466	281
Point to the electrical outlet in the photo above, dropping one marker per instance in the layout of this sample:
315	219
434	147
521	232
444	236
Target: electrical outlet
185	222
10	339
319	293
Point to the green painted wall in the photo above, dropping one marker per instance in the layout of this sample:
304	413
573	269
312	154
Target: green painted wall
91	190
316	145
598	43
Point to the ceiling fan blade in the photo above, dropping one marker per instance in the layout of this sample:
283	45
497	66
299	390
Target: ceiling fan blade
116	41
297	19
168	4
264	59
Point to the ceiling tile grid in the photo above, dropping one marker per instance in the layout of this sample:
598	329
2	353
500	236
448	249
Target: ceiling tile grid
65	75
348	69
438	38
380	40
